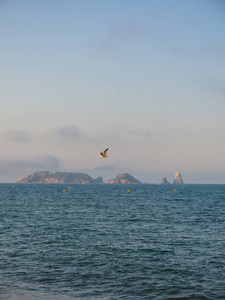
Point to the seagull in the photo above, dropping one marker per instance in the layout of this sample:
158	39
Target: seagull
103	154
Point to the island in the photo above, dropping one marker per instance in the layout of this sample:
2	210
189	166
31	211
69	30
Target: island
165	181
70	177
82	178
60	177
178	179
124	178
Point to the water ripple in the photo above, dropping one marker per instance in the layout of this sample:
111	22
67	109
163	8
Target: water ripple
100	242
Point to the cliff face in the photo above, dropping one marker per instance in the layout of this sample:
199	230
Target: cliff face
178	179
124	178
59	177
165	181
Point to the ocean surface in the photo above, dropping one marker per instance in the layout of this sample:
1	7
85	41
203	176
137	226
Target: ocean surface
112	241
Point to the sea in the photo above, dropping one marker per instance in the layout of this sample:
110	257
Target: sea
102	241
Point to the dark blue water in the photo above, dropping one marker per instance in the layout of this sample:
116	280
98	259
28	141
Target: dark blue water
103	242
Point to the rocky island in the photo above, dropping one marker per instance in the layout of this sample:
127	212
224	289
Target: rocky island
124	178
80	178
178	179
165	181
59	177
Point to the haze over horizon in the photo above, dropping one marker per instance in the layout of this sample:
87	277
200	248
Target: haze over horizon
144	78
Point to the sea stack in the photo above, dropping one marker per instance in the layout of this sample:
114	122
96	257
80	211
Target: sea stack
165	181
178	179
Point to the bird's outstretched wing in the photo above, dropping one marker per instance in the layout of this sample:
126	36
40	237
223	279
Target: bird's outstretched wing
103	154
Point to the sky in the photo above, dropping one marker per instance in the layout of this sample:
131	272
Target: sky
145	78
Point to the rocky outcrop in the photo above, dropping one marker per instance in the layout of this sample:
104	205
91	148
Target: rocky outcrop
165	181
178	179
59	177
124	178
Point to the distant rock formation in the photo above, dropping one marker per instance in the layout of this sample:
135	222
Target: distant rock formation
165	181
178	179
124	178
59	177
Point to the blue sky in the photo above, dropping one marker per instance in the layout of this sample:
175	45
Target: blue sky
144	78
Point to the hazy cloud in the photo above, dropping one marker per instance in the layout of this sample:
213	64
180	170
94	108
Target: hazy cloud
107	172
68	132
103	168
219	88
216	49
121	35
127	33
18	136
215	86
47	162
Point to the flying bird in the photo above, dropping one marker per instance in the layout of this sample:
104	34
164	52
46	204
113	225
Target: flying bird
103	154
